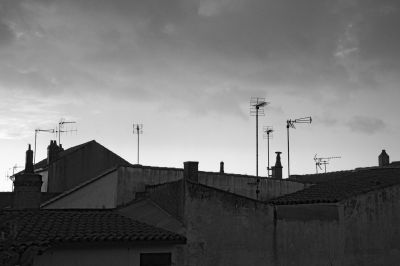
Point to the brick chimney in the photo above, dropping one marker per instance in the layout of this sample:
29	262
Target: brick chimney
383	159
190	171
52	151
221	167
27	186
277	169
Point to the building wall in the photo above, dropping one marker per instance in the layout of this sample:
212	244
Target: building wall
372	228
101	193
134	179
225	229
246	185
308	234
103	255
363	230
81	165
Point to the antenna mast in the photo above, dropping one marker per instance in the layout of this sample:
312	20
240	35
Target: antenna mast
138	129
290	124
257	108
268	135
323	161
61	126
36	132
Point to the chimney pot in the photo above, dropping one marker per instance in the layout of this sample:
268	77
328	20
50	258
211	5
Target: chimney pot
27	186
221	167
383	159
277	169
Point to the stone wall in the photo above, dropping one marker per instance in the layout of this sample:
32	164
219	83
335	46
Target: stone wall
225	229
372	228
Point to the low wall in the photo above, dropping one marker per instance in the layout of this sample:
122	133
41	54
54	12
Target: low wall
246	185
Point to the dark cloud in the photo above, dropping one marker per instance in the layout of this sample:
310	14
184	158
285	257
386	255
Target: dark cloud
195	50
366	125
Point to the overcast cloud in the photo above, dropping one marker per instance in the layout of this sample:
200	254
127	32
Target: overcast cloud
328	58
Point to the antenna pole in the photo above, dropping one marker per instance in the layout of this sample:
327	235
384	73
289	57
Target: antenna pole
257	107
138	144
137	129
288	153
268	154
34	153
267	131
290	123
60	126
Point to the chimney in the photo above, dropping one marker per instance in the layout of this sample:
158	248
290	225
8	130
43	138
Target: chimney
277	169
221	167
27	186
383	159
190	171
52	151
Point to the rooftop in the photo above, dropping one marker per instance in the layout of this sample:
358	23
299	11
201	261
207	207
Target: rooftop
45	228
339	186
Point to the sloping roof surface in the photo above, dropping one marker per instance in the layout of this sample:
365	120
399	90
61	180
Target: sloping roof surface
343	186
50	227
43	163
320	178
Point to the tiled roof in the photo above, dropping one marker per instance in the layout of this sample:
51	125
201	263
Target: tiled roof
52	227
344	186
320	178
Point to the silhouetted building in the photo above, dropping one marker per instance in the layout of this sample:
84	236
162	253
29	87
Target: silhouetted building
27	186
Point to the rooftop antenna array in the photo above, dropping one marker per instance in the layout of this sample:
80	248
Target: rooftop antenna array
291	124
257	109
138	129
268	135
61	128
36	132
323	161
11	177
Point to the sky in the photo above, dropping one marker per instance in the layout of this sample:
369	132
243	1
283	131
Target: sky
186	70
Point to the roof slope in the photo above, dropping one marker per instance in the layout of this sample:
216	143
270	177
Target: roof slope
43	163
321	178
51	227
349	184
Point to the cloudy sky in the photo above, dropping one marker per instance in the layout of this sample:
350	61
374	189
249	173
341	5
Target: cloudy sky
186	69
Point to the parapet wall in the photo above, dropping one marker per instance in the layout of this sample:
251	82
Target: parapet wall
135	179
246	185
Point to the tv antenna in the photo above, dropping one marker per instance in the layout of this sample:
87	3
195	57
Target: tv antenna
138	129
61	126
268	135
257	109
291	124
323	161
14	169
36	132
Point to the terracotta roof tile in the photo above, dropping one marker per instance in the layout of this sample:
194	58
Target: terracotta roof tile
49	227
343	186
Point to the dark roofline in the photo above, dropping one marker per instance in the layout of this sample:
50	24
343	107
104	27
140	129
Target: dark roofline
378	185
